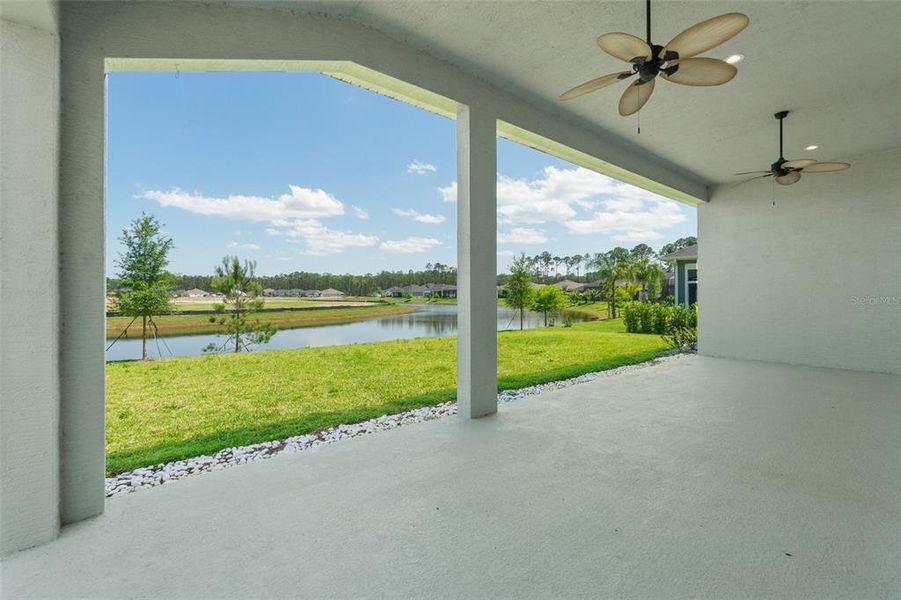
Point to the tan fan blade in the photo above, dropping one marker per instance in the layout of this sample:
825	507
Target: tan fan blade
635	97
702	71
826	167
624	46
751	179
594	84
789	179
801	163
707	34
751	173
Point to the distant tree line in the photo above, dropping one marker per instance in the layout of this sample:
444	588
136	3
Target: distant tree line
638	264
353	285
547	268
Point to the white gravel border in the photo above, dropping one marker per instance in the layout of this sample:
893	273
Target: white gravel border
146	477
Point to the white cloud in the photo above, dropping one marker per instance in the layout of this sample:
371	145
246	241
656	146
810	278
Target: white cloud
247	246
522	235
623	211
449	192
409	245
552	196
321	240
293	216
300	203
637	236
505	252
416	216
639	221
421	168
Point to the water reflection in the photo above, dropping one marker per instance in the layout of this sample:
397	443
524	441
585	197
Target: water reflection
427	321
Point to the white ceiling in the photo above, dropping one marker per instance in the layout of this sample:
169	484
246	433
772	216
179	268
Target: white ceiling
835	65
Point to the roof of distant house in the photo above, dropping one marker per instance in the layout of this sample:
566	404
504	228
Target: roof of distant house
682	253
569	285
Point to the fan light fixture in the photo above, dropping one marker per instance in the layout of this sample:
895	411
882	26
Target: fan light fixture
787	172
675	61
735	58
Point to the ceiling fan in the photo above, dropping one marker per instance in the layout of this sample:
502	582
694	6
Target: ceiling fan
788	172
674	61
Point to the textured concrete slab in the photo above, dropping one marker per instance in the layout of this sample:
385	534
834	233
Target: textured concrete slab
701	477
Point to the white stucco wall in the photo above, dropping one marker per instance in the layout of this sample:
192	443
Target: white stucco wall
29	384
814	280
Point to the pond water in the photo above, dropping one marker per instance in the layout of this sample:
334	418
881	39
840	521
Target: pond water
429	320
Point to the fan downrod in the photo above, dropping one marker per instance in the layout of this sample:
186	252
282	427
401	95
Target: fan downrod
776	167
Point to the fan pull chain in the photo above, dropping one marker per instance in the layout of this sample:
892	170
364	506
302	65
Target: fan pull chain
639	122
774	191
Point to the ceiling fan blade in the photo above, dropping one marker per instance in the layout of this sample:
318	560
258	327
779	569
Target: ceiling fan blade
789	179
801	163
635	97
826	167
751	173
751	179
624	46
707	34
594	84
701	71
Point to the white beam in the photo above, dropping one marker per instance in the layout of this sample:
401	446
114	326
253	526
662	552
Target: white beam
476	262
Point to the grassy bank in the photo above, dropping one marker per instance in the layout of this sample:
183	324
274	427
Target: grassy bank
594	310
176	408
190	324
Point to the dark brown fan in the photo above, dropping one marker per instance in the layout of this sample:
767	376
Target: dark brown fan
677	61
788	172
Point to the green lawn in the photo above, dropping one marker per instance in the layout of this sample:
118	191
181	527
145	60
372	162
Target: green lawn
176	408
593	310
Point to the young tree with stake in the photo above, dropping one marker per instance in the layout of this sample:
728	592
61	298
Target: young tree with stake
519	286
145	281
241	291
549	298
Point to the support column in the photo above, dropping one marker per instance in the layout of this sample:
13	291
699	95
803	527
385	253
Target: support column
476	262
29	322
82	285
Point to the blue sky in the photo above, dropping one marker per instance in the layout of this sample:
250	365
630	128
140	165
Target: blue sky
301	172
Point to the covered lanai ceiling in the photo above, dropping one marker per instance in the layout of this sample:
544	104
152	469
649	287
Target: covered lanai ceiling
835	65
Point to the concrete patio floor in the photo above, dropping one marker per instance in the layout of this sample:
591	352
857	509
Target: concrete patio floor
700	477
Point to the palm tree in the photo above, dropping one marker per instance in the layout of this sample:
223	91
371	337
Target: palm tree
611	266
647	274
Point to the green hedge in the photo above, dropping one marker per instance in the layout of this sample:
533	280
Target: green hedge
675	322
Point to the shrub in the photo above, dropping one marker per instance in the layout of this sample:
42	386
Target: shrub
677	324
661	319
630	316
684	328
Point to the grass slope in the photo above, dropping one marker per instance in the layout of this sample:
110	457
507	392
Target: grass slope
176	408
190	324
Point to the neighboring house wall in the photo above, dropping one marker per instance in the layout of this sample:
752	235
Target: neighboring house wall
784	283
682	281
29	375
